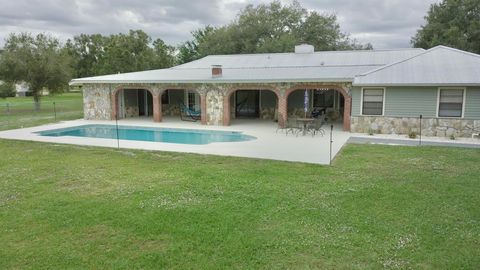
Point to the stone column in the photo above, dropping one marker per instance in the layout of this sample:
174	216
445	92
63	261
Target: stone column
157	108
203	108
346	113
214	98
114	105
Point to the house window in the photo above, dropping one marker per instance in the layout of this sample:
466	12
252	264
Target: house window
372	101
450	102
322	98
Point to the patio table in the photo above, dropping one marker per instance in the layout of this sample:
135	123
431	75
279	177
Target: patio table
305	122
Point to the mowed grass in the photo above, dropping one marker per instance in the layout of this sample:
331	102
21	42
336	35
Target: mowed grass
377	207
19	112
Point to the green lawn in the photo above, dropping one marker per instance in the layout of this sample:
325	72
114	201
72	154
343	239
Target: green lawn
19	112
377	207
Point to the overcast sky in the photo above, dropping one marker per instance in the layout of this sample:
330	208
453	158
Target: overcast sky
384	23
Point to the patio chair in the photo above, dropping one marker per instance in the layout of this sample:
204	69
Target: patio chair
293	126
316	126
187	114
289	127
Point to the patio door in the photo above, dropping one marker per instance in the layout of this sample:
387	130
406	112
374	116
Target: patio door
247	103
145	103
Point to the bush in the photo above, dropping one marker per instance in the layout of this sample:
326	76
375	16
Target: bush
412	135
7	89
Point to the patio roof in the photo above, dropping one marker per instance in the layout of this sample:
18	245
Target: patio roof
438	66
325	66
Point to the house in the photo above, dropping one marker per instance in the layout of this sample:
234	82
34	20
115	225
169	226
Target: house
21	89
381	91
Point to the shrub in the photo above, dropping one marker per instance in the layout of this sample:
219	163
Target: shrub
7	89
412	135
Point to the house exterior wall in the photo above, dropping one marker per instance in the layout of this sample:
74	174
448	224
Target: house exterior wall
96	102
101	100
403	107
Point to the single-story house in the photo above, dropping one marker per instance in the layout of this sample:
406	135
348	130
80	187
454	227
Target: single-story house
380	91
21	89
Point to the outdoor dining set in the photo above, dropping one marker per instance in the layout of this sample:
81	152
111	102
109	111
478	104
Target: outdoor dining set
303	126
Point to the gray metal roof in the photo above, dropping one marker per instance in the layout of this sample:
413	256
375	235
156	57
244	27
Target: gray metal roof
271	67
438	66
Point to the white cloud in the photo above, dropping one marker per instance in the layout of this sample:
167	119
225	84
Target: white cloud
384	23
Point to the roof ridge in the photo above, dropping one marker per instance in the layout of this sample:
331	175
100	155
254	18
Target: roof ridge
273	67
456	50
395	63
316	52
418	55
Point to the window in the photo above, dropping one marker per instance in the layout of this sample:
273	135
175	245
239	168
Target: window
323	98
450	102
372	101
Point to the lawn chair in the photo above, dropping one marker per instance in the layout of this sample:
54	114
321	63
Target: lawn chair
187	114
289	127
316	126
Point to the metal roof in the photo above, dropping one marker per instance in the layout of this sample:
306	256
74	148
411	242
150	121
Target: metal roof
269	67
438	66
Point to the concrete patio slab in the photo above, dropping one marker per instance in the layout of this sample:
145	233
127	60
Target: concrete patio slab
268	145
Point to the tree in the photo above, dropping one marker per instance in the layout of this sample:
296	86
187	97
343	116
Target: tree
269	28
98	55
87	52
38	61
188	51
164	55
454	23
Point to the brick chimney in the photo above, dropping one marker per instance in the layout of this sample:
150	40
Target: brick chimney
216	71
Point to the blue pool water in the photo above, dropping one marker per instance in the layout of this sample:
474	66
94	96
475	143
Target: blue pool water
169	135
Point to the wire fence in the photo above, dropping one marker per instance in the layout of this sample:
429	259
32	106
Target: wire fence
21	114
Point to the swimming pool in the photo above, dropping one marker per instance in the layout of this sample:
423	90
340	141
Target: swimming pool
150	134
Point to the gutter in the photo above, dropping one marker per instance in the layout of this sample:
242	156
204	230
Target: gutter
82	82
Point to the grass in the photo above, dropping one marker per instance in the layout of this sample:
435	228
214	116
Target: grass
18	112
377	207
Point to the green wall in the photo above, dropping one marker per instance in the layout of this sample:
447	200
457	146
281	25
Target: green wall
413	101
472	103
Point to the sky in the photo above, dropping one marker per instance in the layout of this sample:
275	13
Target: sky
385	24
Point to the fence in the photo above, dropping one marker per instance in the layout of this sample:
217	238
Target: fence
22	113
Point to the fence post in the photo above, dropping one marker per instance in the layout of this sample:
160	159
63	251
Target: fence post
54	111
420	141
116	127
331	141
8	108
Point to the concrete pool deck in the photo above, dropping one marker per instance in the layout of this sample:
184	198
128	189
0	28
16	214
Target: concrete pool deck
268	145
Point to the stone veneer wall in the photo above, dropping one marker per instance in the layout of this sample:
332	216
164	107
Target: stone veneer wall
96	102
441	127
215	107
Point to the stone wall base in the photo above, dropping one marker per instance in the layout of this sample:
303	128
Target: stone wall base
440	127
